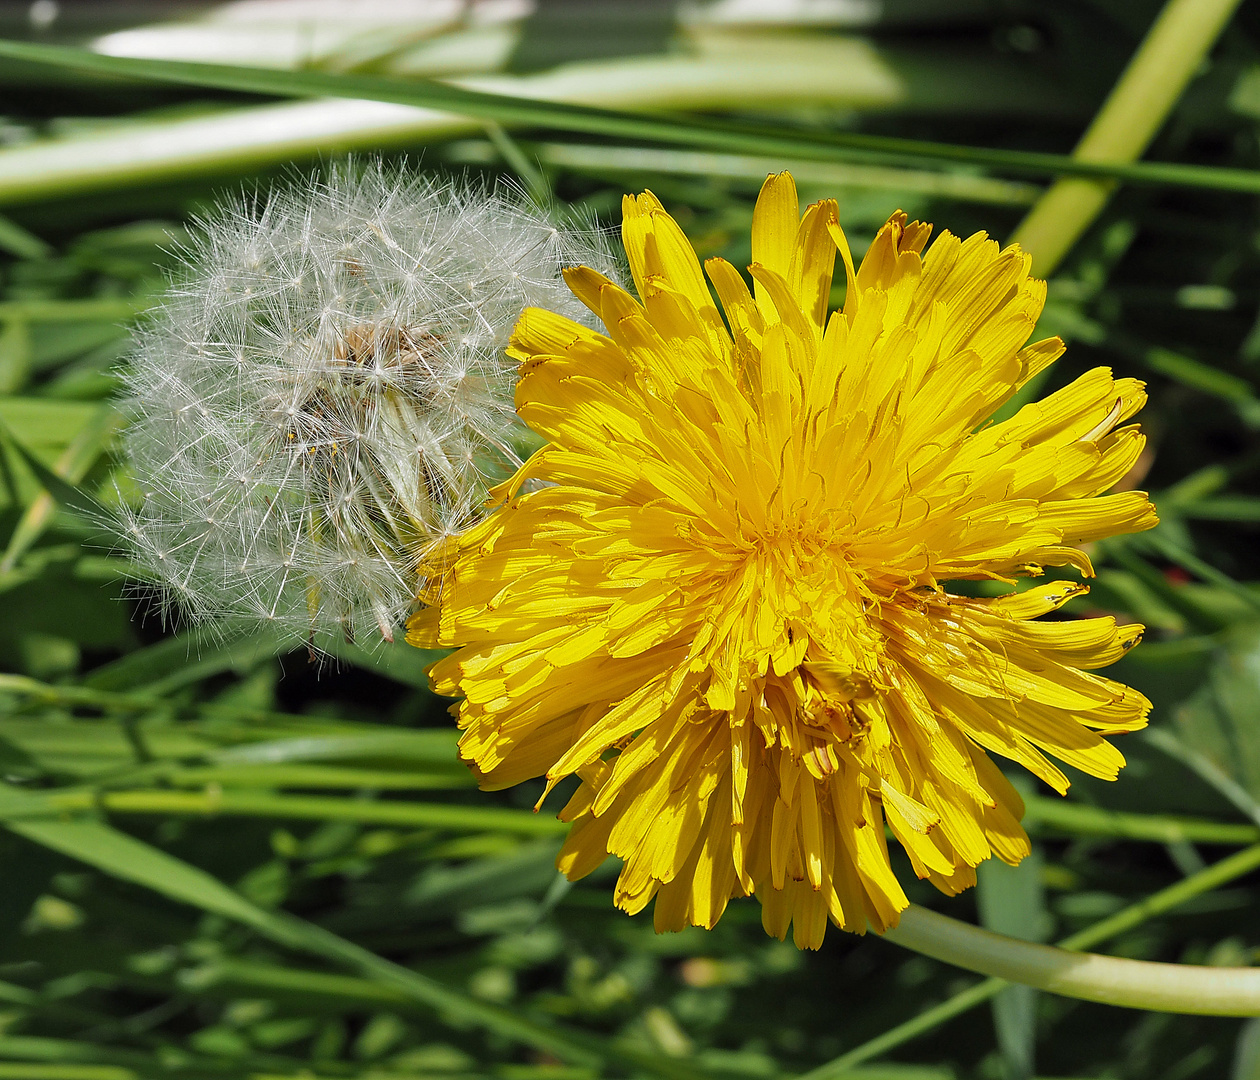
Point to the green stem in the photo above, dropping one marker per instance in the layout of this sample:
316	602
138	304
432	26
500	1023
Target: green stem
1214	876
1132	115
1080	820
1136	984
214	802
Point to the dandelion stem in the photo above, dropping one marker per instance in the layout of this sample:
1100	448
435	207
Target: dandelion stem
1214	876
1137	984
1132	115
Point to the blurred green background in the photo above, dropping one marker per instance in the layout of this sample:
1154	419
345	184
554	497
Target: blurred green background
222	863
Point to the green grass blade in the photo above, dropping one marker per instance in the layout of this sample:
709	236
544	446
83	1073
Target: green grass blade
1189	561
693	133
1206	769
58	483
604	160
263	804
1078	819
20	242
324	777
11	1070
263	724
1229	507
93	309
1199	376
179	661
124	857
395	660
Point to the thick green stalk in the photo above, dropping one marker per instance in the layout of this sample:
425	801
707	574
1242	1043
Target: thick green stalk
1130	118
1214	876
1136	984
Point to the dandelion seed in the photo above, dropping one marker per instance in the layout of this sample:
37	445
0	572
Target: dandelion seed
325	390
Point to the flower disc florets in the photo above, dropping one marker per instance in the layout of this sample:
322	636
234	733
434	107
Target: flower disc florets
324	392
729	613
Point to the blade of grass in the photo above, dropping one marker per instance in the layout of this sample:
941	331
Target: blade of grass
120	309
1200	376
62	1057
403	663
602	160
1118	551
124	857
20	242
534	179
1080	820
1172	51
58	483
1189	561
1071	818
1229	507
326	776
116	702
1205	769
34	1071
179	661
1216	875
215	802
691	132
200	653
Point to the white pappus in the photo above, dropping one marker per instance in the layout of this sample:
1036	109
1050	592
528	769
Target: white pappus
323	393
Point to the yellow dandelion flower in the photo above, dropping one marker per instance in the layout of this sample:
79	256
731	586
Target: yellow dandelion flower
726	611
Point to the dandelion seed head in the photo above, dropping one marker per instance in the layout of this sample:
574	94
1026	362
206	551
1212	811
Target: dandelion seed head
324	392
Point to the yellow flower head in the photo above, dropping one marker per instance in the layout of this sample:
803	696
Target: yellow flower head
726	611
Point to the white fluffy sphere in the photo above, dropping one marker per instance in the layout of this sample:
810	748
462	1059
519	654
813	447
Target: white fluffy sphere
324	392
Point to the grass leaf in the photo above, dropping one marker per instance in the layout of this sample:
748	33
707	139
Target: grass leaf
695	133
132	860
